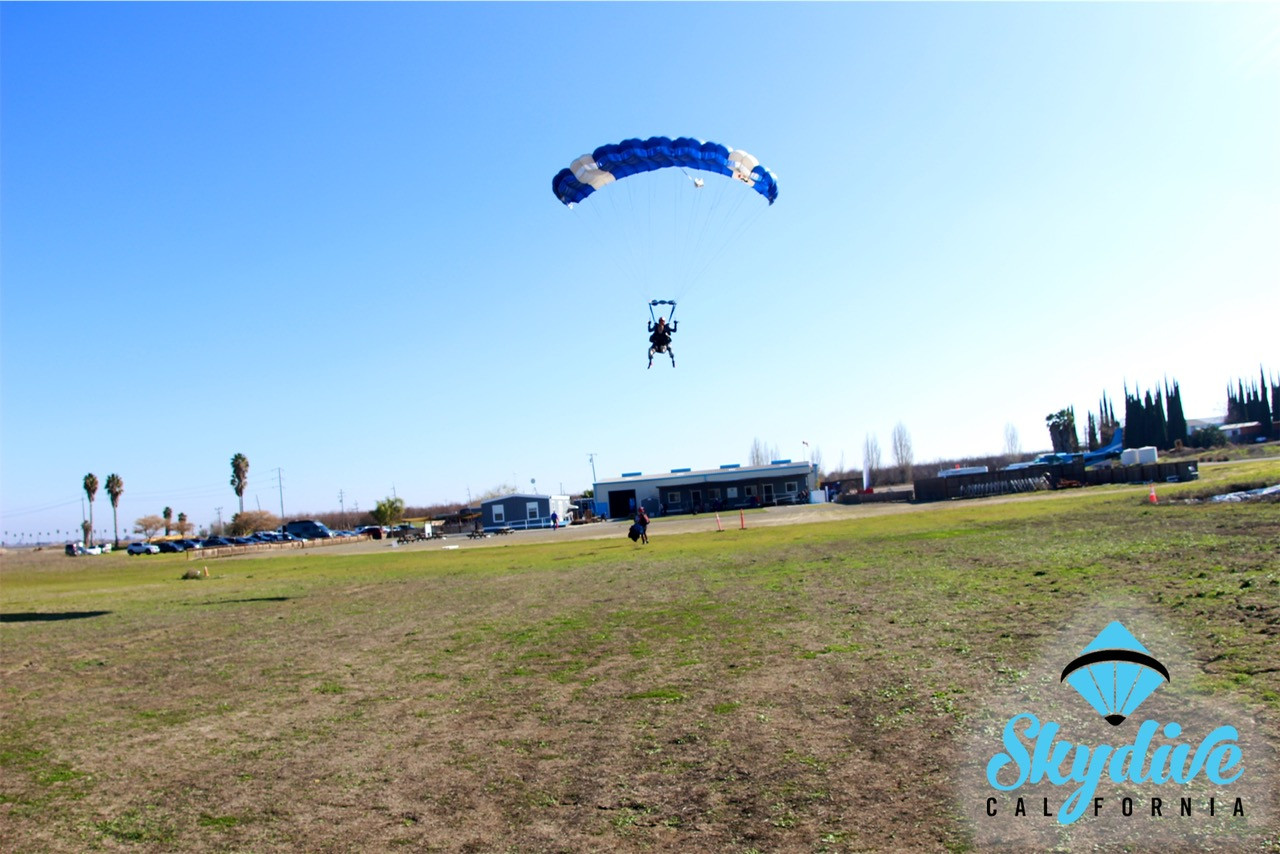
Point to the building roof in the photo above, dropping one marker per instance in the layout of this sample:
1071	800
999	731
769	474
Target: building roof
727	472
521	495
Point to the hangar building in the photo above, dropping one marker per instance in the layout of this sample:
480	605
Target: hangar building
728	487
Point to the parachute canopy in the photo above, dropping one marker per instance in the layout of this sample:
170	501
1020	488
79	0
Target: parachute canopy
609	163
1115	673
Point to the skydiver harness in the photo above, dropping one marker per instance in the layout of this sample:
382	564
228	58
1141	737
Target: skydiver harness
660	335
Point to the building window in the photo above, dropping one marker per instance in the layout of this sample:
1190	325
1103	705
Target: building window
714	494
673	498
531	510
789	486
499	514
749	491
731	491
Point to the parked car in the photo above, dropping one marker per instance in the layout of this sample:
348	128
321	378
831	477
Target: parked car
308	529
191	544
74	549
143	549
216	542
170	546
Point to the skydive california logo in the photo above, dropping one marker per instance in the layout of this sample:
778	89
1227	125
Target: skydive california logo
1114	673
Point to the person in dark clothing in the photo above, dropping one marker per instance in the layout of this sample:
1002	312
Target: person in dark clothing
642	522
660	339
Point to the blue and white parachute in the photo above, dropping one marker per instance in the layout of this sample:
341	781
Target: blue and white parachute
610	163
660	215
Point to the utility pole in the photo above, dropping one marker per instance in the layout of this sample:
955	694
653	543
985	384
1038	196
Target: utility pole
280	484
592	457
343	508
219	509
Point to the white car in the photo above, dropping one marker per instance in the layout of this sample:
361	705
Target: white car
143	549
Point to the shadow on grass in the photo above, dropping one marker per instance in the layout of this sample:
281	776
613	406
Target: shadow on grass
255	599
41	617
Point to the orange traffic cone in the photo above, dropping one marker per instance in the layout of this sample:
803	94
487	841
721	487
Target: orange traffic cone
719	527
1152	497
742	520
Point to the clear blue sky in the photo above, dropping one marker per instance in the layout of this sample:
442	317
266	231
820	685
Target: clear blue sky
323	236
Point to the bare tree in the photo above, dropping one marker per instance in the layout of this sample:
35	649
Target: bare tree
815	460
147	526
902	454
495	492
870	459
1012	447
243	524
761	453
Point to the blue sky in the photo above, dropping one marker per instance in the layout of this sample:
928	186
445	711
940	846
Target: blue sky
322	235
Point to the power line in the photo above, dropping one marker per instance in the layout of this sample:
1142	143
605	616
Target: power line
280	483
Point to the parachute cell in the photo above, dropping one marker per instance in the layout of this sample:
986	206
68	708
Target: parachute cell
610	163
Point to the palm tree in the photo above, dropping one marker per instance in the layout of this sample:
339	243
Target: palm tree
168	519
115	488
90	489
240	476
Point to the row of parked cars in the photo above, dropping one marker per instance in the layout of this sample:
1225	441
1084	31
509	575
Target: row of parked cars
210	543
302	529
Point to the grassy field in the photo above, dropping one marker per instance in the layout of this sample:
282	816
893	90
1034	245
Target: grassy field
797	688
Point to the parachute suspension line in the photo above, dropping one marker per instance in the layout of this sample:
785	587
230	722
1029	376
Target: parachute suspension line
734	204
693	213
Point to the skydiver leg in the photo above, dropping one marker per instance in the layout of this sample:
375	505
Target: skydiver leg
651	357
672	354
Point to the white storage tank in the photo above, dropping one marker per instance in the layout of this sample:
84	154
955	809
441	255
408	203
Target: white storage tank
1147	454
1129	457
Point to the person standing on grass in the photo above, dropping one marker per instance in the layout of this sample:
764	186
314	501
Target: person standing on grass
555	521
642	522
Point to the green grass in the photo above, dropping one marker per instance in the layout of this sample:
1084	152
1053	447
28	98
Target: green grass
709	692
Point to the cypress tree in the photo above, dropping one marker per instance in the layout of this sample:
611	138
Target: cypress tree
1275	401
1161	425
1133	430
1177	422
1264	406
